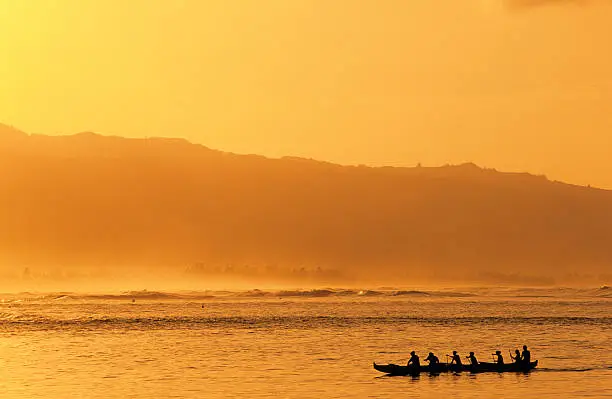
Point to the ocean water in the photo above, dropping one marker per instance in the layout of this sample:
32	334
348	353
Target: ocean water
300	344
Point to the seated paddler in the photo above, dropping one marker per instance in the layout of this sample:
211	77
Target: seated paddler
456	359
526	355
498	358
517	356
432	359
414	360
472	359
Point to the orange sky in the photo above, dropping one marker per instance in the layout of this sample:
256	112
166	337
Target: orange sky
351	81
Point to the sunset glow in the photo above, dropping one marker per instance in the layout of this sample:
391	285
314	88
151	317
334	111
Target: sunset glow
300	199
501	84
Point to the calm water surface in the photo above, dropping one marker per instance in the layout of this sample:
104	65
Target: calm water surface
298	346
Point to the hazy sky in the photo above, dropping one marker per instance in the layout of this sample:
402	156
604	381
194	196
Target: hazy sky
521	85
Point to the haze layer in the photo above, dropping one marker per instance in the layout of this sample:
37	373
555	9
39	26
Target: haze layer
88	202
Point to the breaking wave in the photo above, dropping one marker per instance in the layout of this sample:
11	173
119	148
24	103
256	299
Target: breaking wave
603	292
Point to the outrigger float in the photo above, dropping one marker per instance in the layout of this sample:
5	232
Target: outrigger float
482	367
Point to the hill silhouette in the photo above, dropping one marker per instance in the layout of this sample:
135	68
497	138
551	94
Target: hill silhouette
92	201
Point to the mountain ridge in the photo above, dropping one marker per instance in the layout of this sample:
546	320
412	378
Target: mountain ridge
100	138
112	202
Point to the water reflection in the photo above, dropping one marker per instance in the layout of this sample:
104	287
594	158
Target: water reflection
258	349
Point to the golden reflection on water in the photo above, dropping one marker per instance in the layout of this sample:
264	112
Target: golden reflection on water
297	347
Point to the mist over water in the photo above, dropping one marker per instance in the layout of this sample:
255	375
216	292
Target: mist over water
94	212
300	343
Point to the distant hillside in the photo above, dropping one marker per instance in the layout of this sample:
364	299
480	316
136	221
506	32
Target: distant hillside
91	200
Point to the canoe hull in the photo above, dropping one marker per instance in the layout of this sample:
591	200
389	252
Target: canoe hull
394	369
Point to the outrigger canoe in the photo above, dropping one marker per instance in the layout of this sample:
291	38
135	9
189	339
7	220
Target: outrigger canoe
394	369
